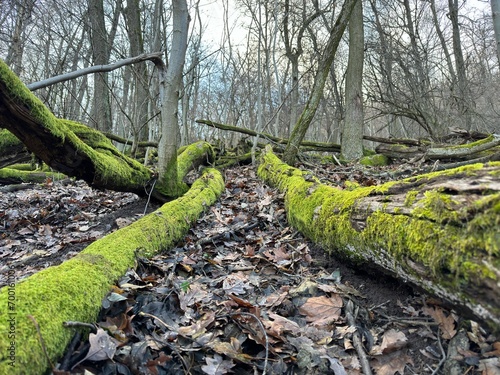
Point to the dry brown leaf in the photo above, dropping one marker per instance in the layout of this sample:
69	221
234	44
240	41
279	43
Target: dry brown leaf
322	310
390	364
490	366
392	340
279	325
446	323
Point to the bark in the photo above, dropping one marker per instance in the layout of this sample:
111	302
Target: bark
170	139
74	290
101	105
141	93
309	111
438	231
462	84
352	135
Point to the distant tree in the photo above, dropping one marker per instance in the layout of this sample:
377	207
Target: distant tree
495	11
23	12
316	94
352	135
101	49
140	97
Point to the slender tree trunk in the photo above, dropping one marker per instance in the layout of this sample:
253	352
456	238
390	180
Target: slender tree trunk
141	93
495	11
170	138
307	115
101	106
352	136
463	95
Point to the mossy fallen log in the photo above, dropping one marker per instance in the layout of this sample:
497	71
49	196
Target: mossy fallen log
438	231
468	151
11	149
73	291
14	176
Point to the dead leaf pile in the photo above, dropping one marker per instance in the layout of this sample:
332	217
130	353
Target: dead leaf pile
242	295
38	226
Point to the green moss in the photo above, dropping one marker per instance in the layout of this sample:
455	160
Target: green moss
410	197
28	176
74	289
377	160
38	110
106	162
7	139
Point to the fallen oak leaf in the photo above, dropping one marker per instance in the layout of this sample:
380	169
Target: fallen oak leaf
322	310
390	364
446	323
392	340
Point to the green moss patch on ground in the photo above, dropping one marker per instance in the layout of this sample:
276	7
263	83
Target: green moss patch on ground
74	290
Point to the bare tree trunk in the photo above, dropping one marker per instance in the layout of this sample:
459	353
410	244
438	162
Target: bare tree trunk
463	95
495	11
307	115
101	106
140	89
352	136
170	138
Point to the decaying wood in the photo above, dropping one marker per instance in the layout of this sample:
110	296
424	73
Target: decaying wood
317	146
392	147
12	150
442	152
438	231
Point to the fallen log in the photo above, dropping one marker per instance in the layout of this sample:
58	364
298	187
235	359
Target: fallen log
438	231
460	152
11	149
317	146
73	291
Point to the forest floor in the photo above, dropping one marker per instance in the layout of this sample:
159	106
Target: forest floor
243	293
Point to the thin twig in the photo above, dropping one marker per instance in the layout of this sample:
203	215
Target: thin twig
356	339
172	347
443	353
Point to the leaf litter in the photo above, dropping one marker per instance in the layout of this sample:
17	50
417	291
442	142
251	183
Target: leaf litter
245	293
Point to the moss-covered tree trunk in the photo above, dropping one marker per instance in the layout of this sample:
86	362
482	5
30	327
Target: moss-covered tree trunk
438	231
77	150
